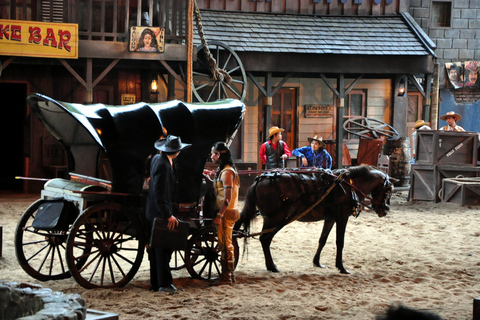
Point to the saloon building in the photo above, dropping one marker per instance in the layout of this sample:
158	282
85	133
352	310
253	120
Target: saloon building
306	66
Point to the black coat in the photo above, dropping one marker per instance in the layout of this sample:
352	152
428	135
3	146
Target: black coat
161	189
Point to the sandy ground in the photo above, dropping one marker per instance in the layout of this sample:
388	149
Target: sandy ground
423	255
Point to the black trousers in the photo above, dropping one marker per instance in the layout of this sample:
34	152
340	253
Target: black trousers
160	273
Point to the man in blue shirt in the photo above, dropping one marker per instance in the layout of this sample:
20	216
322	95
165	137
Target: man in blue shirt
314	154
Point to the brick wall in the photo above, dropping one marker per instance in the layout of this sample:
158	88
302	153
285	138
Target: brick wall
460	41
463	96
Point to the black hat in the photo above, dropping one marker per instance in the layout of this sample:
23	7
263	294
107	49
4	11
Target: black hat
170	144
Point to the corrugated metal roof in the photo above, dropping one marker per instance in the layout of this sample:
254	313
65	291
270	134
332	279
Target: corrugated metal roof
285	33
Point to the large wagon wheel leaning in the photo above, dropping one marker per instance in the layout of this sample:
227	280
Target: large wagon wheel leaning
369	128
117	243
41	253
202	255
230	82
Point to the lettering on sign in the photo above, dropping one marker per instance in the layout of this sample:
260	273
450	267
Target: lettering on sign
38	39
318	111
128	99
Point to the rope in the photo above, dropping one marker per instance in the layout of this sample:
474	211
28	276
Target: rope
217	73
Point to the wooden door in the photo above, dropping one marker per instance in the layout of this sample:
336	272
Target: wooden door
283	114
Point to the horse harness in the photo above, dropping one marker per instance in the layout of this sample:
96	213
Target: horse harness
338	181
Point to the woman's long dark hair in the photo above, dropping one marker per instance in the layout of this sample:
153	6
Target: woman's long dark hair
225	156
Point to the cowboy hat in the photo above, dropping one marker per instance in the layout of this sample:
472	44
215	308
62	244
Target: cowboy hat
420	123
274	130
472	66
455	116
170	144
319	140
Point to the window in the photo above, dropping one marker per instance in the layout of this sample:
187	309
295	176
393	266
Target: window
441	13
355	106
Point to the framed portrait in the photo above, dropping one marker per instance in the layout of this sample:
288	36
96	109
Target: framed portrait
455	74
471	74
147	39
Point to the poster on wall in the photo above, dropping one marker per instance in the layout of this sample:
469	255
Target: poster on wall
471	74
147	39
455	74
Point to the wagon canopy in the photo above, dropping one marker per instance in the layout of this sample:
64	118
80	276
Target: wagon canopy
126	134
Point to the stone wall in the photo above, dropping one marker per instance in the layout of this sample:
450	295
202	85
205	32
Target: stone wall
33	302
460	41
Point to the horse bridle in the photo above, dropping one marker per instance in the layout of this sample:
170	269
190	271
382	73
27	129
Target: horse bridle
375	203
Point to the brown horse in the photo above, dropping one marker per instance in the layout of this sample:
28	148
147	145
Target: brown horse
285	196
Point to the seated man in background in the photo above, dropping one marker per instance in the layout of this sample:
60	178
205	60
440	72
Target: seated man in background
314	154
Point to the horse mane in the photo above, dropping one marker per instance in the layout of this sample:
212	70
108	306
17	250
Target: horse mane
360	171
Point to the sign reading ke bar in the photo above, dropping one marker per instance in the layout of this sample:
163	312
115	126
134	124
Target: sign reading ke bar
318	111
38	39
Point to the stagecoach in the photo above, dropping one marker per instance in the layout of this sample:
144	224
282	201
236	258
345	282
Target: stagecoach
93	228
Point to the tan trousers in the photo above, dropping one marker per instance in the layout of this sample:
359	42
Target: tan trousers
225	231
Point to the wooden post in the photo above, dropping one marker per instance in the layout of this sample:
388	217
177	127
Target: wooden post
476	309
340	101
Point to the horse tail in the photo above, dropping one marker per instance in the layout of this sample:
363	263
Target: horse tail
249	209
249	212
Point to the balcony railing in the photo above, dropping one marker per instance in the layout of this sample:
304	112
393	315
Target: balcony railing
104	20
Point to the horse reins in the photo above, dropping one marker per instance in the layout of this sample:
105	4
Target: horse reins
334	184
338	179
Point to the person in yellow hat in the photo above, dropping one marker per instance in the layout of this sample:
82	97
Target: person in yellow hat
315	154
419	125
451	118
274	152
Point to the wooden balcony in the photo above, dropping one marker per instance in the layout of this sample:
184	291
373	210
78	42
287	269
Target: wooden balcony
104	25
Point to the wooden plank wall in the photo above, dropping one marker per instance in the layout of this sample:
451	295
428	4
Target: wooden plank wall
334	7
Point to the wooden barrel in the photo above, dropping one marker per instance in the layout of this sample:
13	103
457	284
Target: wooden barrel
400	159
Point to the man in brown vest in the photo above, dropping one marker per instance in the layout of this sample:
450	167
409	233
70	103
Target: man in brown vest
274	152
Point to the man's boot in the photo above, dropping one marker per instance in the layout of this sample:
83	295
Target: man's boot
231	268
225	277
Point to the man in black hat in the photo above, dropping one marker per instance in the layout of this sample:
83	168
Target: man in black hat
159	205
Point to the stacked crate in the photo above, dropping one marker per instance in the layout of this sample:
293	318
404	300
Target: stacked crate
440	155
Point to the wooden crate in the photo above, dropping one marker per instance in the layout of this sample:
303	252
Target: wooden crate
436	147
463	191
369	150
447	172
426	181
422	184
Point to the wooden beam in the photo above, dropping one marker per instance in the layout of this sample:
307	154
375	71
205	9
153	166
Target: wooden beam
104	73
73	72
6	63
417	85
334	90
173	73
352	85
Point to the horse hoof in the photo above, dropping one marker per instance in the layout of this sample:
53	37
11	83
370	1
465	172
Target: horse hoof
319	265
275	269
344	271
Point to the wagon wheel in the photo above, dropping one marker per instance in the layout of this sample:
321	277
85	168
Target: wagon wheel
369	128
205	87
178	260
41	253
116	246
202	254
